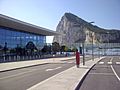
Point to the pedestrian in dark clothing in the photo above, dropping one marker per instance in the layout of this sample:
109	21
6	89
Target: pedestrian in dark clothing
77	58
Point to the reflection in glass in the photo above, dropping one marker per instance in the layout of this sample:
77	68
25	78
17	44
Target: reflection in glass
14	38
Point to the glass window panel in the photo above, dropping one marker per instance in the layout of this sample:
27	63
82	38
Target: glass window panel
14	37
2	31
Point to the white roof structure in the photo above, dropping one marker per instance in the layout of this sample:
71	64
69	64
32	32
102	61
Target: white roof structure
6	21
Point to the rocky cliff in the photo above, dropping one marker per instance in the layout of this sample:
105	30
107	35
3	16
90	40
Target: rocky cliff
75	30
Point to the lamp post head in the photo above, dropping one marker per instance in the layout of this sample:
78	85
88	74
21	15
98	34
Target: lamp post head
91	22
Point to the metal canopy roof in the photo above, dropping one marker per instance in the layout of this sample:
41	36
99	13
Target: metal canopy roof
25	27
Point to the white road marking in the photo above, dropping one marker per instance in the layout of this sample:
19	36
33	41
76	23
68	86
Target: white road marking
117	62
48	69
101	62
53	69
115	73
109	62
58	67
114	70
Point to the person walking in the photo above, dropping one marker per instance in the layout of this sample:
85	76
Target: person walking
77	58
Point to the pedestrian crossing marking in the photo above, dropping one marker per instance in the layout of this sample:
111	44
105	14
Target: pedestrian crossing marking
109	62
117	62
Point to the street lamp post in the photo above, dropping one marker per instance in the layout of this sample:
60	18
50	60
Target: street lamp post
99	49
92	48
92	43
108	41
83	53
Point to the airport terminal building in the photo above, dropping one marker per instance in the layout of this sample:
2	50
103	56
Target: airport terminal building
16	34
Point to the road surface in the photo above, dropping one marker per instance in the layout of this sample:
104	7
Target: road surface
24	78
105	75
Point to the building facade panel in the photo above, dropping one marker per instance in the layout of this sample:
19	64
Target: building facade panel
13	39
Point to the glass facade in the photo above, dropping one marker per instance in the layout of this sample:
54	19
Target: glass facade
15	38
16	45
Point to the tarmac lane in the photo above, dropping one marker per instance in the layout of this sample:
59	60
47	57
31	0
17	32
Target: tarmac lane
116	67
22	79
103	76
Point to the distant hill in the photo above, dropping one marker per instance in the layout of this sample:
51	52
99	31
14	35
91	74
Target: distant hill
76	30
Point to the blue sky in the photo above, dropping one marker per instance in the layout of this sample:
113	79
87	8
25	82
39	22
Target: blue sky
47	13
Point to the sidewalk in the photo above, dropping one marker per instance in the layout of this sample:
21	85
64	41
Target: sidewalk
21	64
66	80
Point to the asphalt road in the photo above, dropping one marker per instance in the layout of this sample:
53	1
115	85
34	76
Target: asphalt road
24	78
105	75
